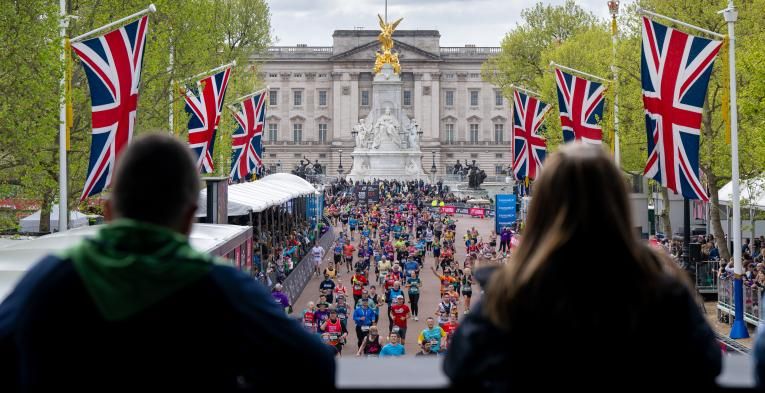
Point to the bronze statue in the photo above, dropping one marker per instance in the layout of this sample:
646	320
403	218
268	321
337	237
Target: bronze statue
385	55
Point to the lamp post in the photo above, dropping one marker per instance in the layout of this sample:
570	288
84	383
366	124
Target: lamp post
738	330
433	168
340	166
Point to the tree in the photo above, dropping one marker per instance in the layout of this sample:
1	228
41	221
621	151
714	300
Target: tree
203	34
578	39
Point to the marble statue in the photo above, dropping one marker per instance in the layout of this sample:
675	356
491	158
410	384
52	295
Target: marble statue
412	134
386	128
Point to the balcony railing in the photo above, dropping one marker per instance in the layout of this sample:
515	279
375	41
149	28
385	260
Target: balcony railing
468	51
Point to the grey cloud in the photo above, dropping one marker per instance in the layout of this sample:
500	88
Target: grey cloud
480	22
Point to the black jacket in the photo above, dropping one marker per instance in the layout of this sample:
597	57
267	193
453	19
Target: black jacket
222	333
603	344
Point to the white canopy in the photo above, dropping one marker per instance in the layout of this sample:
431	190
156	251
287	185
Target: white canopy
261	194
31	224
751	192
21	255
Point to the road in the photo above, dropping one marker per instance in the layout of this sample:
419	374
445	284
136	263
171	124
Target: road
429	297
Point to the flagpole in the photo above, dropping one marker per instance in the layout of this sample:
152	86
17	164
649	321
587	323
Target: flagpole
242	98
150	8
614	8
210	72
171	92
556	65
63	208
688	25
738	330
527	91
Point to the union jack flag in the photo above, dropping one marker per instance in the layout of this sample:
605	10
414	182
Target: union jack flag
204	104
247	138
581	107
675	75
113	67
529	146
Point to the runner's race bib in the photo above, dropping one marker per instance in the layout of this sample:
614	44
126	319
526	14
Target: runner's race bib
365	328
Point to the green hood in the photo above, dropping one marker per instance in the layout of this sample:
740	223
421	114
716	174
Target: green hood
129	266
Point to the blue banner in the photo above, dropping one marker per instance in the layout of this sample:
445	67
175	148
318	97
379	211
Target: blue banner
314	206
505	216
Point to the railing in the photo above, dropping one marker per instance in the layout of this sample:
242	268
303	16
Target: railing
300	49
725	303
469	51
706	276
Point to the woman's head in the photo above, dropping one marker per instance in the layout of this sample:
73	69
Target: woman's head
580	193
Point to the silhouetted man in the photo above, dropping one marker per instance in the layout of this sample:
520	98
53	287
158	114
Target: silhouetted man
136	308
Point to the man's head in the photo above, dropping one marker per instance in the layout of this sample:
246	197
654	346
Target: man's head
278	287
372	290
155	181
425	347
400	299
430	322
394	338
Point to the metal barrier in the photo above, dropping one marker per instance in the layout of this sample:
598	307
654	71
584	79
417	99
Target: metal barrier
706	276
299	277
725	304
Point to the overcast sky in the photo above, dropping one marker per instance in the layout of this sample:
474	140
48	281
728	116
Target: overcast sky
479	22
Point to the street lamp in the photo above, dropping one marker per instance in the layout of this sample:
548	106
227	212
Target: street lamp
433	168
340	166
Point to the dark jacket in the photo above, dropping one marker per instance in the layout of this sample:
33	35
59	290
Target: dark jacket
221	333
603	344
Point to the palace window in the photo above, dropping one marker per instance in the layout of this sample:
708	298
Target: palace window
273	131
450	137
297	97
297	132
498	99
322	132
407	98
449	98
499	133
322	98
474	133
474	97
365	98
273	97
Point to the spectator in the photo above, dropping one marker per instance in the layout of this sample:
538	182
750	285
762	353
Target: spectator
546	291
136	308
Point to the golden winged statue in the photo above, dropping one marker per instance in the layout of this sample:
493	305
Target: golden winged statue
385	55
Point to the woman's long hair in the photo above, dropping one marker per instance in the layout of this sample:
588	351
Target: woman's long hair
580	223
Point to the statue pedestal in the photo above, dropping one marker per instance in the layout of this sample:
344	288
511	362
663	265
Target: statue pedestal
387	165
387	154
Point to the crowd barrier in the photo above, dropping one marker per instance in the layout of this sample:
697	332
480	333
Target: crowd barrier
706	276
725	304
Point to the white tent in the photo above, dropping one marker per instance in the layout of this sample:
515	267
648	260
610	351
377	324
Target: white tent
751	192
31	224
261	194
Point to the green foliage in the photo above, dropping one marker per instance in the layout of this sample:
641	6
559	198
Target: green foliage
203	34
570	36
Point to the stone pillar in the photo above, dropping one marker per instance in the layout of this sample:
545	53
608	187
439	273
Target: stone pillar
434	123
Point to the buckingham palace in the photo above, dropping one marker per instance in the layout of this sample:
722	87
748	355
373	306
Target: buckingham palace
318	93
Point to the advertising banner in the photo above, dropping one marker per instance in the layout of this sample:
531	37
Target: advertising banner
451	210
505	216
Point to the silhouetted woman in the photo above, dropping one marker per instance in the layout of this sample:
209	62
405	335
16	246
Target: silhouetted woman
584	303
